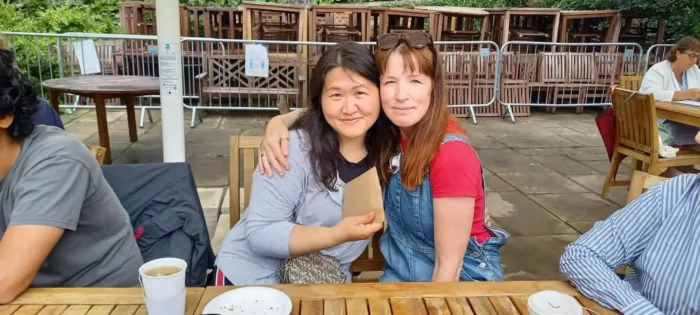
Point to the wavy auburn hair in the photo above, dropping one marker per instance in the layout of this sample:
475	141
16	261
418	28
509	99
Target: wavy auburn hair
324	149
426	136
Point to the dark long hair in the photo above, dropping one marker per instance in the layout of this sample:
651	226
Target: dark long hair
17	97
324	151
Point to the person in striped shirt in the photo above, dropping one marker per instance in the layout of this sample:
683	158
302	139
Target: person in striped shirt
659	233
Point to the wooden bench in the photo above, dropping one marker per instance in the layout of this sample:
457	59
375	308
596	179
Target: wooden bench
246	147
224	78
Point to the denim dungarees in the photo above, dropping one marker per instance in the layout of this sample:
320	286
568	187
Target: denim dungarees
408	244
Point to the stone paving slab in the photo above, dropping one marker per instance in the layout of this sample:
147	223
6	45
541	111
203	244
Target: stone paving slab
544	173
531	257
520	216
542	183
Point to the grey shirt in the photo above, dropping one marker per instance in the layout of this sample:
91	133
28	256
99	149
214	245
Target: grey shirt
56	181
254	248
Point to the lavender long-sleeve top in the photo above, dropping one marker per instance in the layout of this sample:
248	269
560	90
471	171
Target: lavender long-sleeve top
254	248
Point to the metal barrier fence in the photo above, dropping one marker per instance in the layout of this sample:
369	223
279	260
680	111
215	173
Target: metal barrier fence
214	70
48	56
562	74
481	79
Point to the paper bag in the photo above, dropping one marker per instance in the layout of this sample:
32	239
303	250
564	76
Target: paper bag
363	195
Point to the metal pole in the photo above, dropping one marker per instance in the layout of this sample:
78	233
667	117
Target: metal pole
170	69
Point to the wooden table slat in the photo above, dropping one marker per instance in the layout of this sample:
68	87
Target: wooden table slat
101	310
520	302
296	307
28	310
53	310
482	306
334	307
311	307
8	309
436	306
503	305
408	306
125	309
459	306
77	310
357	306
142	310
379	307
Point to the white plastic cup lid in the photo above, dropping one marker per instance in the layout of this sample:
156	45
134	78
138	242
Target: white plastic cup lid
551	302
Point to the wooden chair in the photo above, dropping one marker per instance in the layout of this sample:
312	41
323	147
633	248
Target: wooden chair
370	260
640	183
632	83
99	152
638	138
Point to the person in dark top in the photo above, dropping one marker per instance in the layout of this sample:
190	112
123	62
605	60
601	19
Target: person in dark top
46	115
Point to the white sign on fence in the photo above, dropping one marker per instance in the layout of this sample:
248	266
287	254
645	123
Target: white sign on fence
257	63
86	55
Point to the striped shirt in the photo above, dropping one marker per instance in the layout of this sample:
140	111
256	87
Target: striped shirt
659	233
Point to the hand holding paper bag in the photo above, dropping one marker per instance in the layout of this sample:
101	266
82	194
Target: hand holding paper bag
356	228
363	195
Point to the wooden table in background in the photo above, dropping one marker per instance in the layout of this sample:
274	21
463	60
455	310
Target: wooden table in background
479	298
687	114
101	87
91	301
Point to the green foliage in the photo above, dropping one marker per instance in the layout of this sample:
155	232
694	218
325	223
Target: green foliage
38	56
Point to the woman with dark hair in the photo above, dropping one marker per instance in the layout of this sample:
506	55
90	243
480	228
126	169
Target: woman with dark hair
60	222
676	79
434	196
298	215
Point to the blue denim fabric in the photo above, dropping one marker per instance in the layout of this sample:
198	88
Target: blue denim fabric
408	244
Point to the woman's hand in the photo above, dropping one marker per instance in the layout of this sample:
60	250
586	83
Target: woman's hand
356	228
695	94
275	148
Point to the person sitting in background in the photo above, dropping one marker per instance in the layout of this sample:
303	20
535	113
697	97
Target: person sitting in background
659	233
298	215
676	79
61	225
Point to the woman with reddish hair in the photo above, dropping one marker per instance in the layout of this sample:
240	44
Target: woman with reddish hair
434	188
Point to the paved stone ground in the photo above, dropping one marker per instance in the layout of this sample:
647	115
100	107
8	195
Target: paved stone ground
544	174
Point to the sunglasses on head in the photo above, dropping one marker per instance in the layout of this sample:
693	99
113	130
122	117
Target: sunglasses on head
415	40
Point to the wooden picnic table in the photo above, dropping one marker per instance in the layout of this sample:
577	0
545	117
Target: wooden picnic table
687	114
479	298
88	301
100	88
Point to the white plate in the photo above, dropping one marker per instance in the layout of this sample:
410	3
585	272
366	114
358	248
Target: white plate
250	301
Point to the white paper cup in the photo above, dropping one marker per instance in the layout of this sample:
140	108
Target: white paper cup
163	288
171	306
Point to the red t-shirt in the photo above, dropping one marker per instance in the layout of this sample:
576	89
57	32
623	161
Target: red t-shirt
455	171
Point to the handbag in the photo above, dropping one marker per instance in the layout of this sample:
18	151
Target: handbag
605	121
313	268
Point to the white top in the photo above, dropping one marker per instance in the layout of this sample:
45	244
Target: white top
660	81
